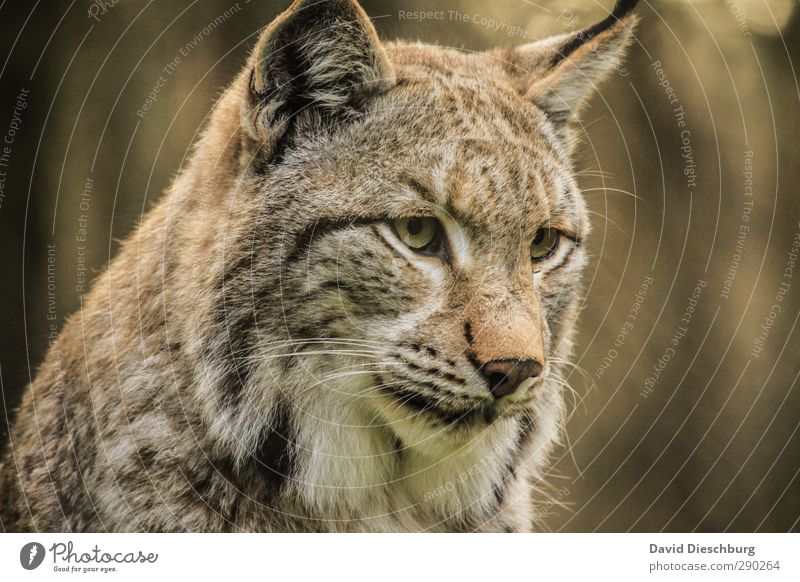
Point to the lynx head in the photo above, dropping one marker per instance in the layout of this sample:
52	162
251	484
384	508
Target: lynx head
405	233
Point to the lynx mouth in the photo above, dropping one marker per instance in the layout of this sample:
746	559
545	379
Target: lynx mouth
426	408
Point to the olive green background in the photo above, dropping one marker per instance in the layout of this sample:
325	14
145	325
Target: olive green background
712	446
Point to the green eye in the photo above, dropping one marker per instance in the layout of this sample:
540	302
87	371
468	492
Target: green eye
545	243
420	233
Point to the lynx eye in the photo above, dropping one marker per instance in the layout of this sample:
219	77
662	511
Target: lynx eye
545	243
420	233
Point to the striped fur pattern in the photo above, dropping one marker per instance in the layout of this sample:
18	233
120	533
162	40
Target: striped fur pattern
265	354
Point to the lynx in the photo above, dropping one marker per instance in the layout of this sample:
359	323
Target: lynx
351	310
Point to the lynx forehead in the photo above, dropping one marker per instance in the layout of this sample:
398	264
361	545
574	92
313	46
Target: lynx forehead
351	310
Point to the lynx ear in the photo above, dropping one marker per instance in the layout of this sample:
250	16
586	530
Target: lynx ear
561	73
319	59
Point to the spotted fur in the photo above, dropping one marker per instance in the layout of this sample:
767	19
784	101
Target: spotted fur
266	355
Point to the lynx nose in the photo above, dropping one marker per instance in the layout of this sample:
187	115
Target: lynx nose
505	376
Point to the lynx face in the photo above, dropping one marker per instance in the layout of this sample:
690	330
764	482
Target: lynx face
445	261
416	212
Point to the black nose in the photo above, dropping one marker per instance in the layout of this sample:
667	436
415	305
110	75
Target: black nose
505	376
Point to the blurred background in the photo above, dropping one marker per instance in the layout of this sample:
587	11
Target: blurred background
689	350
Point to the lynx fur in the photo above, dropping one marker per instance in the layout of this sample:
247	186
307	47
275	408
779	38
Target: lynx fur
266	354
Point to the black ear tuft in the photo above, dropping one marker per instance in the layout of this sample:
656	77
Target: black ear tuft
621	9
560	73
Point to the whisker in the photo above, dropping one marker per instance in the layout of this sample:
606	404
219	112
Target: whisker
594	172
608	220
311	341
615	190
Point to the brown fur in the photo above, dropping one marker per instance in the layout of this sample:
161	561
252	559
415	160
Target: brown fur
251	358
